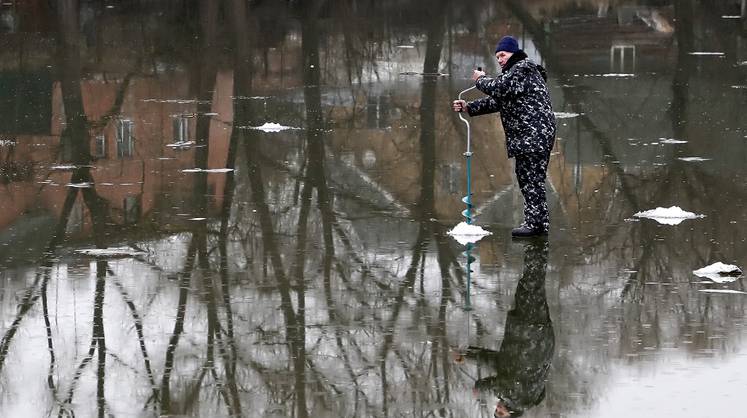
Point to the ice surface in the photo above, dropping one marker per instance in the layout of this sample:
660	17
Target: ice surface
706	53
465	233
271	127
668	216
111	252
719	272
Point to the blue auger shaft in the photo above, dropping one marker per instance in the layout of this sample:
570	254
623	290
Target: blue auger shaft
467	213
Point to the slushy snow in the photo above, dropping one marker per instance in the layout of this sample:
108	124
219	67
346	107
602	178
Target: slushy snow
271	127
733	292
693	159
566	115
207	170
672	141
719	272
111	252
465	233
183	144
668	216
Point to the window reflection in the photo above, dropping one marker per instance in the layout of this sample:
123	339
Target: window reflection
124	138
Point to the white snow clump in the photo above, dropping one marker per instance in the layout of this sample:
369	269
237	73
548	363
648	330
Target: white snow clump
465	233
719	272
668	216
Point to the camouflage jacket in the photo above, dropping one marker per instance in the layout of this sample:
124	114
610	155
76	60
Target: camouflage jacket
520	95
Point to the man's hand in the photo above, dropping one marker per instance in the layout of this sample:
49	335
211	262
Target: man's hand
477	74
459	105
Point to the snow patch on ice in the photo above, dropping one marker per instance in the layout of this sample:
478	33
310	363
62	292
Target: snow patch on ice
729	291
693	159
406	46
719	272
84	185
183	144
177	101
731	17
207	170
465	233
619	75
668	216
111	252
272	127
707	53
567	115
671	141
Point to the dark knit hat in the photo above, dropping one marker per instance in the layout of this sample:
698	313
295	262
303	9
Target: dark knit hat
508	44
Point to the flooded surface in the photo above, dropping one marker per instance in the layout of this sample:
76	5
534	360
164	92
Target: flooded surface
241	209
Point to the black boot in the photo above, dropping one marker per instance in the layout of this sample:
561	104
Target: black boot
524	231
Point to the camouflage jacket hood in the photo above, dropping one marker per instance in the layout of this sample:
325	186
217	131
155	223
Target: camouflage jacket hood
521	96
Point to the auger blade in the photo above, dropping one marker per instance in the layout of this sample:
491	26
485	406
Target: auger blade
466	213
466	200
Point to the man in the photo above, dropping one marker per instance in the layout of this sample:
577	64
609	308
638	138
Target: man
520	94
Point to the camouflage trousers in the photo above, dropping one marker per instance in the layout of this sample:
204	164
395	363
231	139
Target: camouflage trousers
531	172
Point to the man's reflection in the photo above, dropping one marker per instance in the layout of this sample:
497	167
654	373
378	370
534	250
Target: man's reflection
523	360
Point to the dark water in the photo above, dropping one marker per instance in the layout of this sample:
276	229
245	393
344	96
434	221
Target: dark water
316	278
